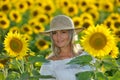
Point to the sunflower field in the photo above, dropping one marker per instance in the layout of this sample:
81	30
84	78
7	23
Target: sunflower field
23	49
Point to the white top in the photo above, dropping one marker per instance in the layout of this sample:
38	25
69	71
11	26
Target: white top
62	71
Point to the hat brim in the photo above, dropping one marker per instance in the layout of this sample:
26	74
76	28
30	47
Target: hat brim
47	33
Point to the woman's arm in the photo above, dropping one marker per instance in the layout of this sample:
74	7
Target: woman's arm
47	70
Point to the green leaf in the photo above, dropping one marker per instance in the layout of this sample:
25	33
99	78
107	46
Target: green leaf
2	76
46	77
107	62
13	76
82	60
25	76
100	76
87	75
34	59
116	76
37	75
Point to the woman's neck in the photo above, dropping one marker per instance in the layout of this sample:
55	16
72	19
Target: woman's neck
66	52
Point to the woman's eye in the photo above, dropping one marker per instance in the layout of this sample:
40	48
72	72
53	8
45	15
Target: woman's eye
63	32
54	32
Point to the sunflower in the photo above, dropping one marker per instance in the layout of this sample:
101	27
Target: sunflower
98	41
85	16
117	34
43	19
4	23
63	3
116	25
34	12
107	6
39	3
117	2
97	4
70	10
82	4
114	52
27	29
90	7
38	27
94	14
15	45
21	6
15	16
32	21
27	37
3	15
30	3
5	7
42	44
49	8
108	22
114	16
4	1
87	23
77	21
14	29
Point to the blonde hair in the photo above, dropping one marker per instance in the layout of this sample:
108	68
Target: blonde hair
75	47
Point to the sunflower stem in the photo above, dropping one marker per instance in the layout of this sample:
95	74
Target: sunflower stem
5	72
22	66
18	65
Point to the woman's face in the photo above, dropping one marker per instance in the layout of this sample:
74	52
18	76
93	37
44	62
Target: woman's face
60	38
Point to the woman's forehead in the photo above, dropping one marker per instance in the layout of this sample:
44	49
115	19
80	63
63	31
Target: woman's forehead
60	30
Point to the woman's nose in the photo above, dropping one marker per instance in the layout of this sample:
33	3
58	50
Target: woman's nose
58	35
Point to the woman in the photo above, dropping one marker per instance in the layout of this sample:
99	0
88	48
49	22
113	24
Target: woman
62	33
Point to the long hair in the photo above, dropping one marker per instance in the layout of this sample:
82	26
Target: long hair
75	47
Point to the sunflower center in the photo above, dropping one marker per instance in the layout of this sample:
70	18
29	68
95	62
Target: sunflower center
117	24
5	8
86	25
48	8
108	24
65	3
2	22
26	29
106	6
88	9
40	4
98	41
21	6
118	34
1	16
35	13
37	27
16	45
71	9
85	17
42	43
42	20
28	3
76	23
83	3
97	4
15	16
114	18
93	15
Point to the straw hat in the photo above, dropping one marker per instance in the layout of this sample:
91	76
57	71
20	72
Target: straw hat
61	22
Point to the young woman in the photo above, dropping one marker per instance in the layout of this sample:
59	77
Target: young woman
62	33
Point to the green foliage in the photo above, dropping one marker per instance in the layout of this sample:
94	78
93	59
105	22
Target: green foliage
82	60
84	75
33	59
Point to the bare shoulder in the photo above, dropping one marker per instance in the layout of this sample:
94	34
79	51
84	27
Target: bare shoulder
52	57
80	51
